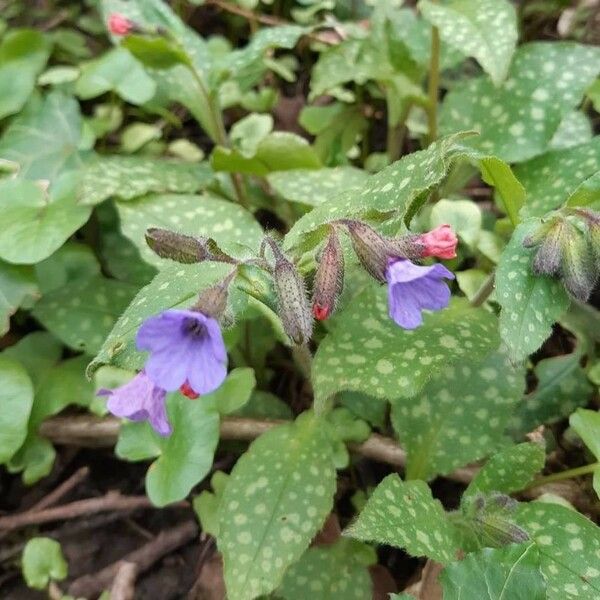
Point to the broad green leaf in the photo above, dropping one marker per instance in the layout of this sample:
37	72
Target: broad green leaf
587	194
510	470
16	399
551	178
36	222
531	304
574	129
17	287
206	504
156	52
175	286
569	549
123	261
136	135
509	573
37	352
587	425
45	138
58	75
316	186
497	173
231	226
367	352
373	410
116	71
235	391
518	119
459	417
484	29
82	313
249	132
184	458
23	55
561	387
279	151
264	405
328	573
42	562
464	216
127	177
405	515
277	497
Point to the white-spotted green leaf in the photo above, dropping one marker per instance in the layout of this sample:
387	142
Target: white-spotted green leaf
315	186
36	222
44	138
405	515
484	29
17	287
518	120
16	398
587	194
587	425
330	572
277	497
82	313
175	286
574	129
510	470
569	549
249	132
231	226
42	562
531	304
23	55
459	417
512	572
126	177
551	178
367	352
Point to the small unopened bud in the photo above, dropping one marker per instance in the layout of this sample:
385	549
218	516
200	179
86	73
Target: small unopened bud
188	392
184	248
548	237
294	309
212	301
578	272
329	279
440	242
119	24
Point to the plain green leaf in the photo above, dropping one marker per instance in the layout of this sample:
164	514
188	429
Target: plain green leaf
17	287
206	504
587	425
277	497
58	75
35	222
531	304
135	136
264	405
405	515
37	352
156	52
233	228
127	177
569	549
16	399
42	562
249	132
82	313
23	55
497	173
235	391
587	194
509	573
123	261
459	417
484	29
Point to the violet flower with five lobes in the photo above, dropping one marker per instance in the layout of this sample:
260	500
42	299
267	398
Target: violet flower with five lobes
186	349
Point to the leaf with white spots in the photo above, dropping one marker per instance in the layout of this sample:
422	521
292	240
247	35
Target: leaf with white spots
17	287
518	120
562	386
484	29
233	228
82	313
587	194
574	129
331	572
367	352
510	470
569	549
551	178
459	417
175	286
531	304
315	186
587	425
509	573
276	499
126	177
405	515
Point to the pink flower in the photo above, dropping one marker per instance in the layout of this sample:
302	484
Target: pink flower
119	24
440	242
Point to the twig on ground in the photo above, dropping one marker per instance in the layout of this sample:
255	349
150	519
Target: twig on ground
123	587
89	586
62	490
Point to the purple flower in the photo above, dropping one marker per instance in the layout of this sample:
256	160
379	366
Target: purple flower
139	400
186	347
412	288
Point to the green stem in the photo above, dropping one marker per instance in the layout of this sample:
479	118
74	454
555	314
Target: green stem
484	292
434	85
569	474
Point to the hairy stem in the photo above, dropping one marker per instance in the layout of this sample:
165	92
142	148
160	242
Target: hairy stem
484	292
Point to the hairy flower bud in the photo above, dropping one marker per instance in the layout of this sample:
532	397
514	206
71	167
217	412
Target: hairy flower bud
184	248
578	272
440	242
294	309
119	24
329	279
548	237
212	301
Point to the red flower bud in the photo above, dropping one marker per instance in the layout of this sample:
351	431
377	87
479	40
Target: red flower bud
188	392
440	242
329	279
119	24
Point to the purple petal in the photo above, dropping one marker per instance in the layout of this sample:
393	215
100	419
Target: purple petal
403	271
169	368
